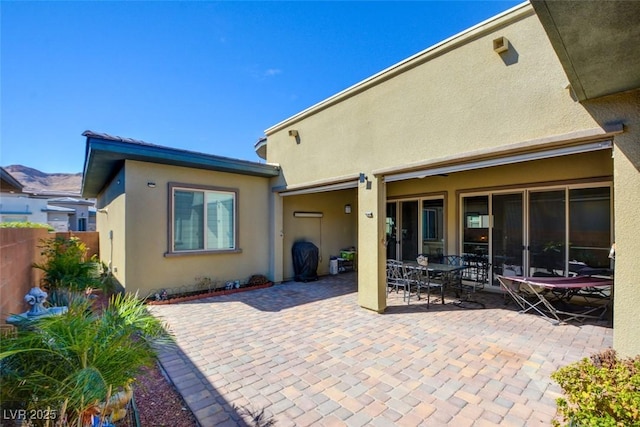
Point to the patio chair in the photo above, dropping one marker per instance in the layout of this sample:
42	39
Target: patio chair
394	275
428	280
474	278
476	275
400	276
454	279
412	280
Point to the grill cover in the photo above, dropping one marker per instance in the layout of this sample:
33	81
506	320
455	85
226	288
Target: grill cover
305	261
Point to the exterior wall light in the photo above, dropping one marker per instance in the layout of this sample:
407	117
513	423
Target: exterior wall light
299	214
151	184
347	209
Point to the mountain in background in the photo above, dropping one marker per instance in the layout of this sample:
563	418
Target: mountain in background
34	180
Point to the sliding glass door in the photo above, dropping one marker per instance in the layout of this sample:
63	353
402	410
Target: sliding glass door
507	234
409	230
547	232
476	226
415	227
433	229
391	230
589	228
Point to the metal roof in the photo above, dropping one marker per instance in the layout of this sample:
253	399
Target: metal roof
105	155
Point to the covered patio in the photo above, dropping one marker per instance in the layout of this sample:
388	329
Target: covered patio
308	354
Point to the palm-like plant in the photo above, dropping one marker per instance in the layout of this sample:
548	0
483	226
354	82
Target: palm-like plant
79	359
66	265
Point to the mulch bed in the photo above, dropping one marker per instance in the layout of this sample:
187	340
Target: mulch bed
158	402
191	296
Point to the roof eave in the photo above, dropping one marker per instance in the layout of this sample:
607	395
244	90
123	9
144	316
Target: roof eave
516	13
104	157
12	184
588	37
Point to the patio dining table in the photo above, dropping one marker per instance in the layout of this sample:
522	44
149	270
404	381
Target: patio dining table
444	273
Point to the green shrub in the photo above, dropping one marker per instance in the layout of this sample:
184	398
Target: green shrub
25	224
603	390
66	267
73	362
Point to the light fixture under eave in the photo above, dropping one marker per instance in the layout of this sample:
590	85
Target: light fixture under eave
299	214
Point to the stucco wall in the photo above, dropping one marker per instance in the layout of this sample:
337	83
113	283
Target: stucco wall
625	108
110	223
17	205
450	102
147	267
453	99
18	251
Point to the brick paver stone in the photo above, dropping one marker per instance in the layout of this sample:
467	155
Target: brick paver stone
307	354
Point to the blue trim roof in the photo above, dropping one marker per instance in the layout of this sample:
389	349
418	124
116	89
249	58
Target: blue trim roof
15	212
52	208
105	155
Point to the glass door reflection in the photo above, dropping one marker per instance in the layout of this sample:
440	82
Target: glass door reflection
409	233
507	235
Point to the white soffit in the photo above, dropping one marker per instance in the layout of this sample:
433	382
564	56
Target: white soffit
499	161
319	188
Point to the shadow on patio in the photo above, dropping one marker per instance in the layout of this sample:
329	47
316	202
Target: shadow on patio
290	294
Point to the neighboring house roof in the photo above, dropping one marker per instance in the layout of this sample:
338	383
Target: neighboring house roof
8	182
48	194
71	201
598	43
51	208
261	148
105	155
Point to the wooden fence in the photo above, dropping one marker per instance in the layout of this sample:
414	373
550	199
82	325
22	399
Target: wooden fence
19	249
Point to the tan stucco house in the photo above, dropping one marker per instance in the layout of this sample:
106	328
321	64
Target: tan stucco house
517	140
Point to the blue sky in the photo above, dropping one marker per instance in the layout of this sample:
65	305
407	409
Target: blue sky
201	76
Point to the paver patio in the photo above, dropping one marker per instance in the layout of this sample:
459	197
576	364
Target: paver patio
309	355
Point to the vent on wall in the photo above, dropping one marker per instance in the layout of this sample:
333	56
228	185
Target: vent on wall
501	44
